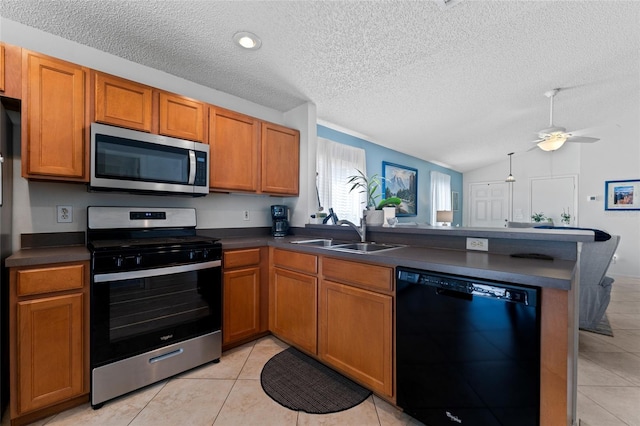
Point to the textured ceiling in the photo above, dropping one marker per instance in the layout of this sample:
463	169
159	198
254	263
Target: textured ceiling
462	86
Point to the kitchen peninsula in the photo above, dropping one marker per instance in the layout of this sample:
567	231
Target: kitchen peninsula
545	258
435	249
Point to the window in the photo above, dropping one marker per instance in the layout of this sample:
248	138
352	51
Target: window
335	162
440	194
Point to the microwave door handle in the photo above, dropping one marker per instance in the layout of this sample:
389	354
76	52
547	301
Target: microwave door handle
192	167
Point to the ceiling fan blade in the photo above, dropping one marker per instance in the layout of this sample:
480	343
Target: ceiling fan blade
582	139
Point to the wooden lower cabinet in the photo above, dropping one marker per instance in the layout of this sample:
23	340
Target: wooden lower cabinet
49	339
244	303
356	334
50	354
293	308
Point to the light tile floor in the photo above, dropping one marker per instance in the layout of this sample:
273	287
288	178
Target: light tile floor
229	393
609	367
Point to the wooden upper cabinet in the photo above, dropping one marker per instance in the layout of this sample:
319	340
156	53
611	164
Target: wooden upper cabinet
234	151
280	159
181	117
54	136
122	102
11	71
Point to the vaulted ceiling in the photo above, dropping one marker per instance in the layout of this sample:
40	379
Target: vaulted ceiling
462	85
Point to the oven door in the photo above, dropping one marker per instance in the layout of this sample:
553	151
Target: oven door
137	311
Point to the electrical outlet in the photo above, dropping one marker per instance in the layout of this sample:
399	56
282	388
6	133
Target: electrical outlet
245	215
481	244
65	214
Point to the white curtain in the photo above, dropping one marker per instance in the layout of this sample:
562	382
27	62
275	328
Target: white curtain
440	194
335	162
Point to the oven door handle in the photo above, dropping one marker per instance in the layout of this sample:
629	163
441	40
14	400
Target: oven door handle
130	275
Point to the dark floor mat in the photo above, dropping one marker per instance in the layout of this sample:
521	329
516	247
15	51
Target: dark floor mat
299	382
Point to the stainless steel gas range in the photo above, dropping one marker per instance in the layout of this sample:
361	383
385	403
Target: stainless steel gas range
156	297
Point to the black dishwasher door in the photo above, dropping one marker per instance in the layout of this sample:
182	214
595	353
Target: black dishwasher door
468	351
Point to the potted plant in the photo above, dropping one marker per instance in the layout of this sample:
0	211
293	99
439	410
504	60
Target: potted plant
540	217
370	186
565	217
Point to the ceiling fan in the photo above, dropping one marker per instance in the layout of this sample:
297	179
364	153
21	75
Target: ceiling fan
554	137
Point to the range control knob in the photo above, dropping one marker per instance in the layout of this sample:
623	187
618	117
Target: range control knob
119	261
138	259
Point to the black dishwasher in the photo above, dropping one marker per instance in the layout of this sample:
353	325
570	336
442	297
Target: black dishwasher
467	350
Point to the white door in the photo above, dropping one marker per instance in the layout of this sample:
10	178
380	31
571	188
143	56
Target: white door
553	195
490	204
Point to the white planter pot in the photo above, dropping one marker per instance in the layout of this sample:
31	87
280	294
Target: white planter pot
374	217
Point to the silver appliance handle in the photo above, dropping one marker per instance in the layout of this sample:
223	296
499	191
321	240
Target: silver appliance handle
1	178
129	275
192	167
165	356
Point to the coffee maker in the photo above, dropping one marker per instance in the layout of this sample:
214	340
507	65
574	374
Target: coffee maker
280	219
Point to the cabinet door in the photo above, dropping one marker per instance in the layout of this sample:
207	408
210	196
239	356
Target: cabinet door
50	361
355	334
241	304
2	67
293	308
233	139
181	117
280	159
11	71
122	102
54	145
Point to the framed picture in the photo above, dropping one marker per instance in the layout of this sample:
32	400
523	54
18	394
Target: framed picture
402	182
455	201
622	195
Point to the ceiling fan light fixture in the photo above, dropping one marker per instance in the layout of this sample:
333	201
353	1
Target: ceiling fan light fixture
553	142
247	40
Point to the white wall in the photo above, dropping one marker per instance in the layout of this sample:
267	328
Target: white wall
616	156
34	205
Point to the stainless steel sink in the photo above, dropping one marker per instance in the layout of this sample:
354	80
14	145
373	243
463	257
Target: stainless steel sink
366	247
321	242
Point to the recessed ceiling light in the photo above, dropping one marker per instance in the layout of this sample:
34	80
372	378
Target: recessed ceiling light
247	40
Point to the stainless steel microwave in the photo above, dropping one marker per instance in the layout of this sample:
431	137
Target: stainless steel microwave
132	161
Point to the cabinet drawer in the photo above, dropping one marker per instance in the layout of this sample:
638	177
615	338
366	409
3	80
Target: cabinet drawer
47	280
296	261
238	258
363	274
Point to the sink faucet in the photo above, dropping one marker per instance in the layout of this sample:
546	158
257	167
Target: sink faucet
362	230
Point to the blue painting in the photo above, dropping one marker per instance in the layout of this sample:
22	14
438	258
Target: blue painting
402	182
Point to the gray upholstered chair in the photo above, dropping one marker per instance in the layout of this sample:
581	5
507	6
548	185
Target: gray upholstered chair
595	286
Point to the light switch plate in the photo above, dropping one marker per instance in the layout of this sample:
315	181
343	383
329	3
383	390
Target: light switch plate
64	214
481	244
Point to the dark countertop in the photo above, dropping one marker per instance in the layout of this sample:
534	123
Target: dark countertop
42	256
555	273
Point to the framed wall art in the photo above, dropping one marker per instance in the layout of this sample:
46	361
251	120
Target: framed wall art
402	182
455	201
622	195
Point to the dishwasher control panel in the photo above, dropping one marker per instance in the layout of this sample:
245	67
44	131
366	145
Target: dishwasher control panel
467	285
